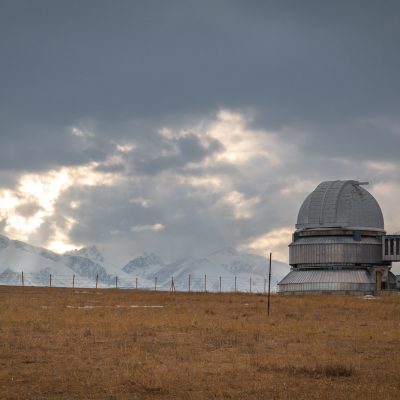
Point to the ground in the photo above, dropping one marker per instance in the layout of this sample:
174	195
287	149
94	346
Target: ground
110	344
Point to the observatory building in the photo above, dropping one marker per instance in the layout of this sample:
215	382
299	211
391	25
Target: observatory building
340	244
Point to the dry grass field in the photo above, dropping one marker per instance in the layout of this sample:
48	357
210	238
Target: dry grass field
116	344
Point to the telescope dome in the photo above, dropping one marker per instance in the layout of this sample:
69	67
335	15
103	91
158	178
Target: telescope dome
340	204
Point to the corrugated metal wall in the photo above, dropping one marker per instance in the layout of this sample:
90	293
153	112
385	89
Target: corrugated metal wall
329	286
353	280
335	253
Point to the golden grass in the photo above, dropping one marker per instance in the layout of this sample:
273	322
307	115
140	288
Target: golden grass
198	346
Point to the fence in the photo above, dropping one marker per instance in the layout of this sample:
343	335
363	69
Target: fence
189	283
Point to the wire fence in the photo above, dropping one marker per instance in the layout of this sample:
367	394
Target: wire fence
182	283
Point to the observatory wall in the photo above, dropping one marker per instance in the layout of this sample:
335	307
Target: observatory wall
335	251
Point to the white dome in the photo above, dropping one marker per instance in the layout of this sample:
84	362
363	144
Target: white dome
343	204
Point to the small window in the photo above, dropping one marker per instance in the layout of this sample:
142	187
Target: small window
397	247
357	236
391	247
386	247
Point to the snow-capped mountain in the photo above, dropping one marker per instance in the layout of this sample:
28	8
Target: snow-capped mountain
145	265
225	269
243	263
204	274
87	268
237	262
91	252
38	263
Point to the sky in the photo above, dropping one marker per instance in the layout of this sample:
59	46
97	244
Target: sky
180	127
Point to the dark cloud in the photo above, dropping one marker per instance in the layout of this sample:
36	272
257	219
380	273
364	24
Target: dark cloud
80	78
35	148
113	168
128	59
179	152
191	223
28	209
8	179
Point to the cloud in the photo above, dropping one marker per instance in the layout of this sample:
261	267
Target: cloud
213	180
330	72
145	203
175	153
275	241
80	133
32	203
216	118
242	207
148	228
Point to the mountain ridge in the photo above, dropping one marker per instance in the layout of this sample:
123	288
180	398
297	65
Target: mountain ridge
87	265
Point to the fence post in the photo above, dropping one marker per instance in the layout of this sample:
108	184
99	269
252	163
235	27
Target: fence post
189	283
136	283
250	284
235	285
155	283
269	280
50	280
22	280
97	280
220	283
116	282
205	282
73	281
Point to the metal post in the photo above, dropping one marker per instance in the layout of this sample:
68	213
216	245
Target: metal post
22	278
97	280
220	283
73	281
116	282
136	283
155	283
50	280
205	282
269	281
189	283
250	284
235	285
